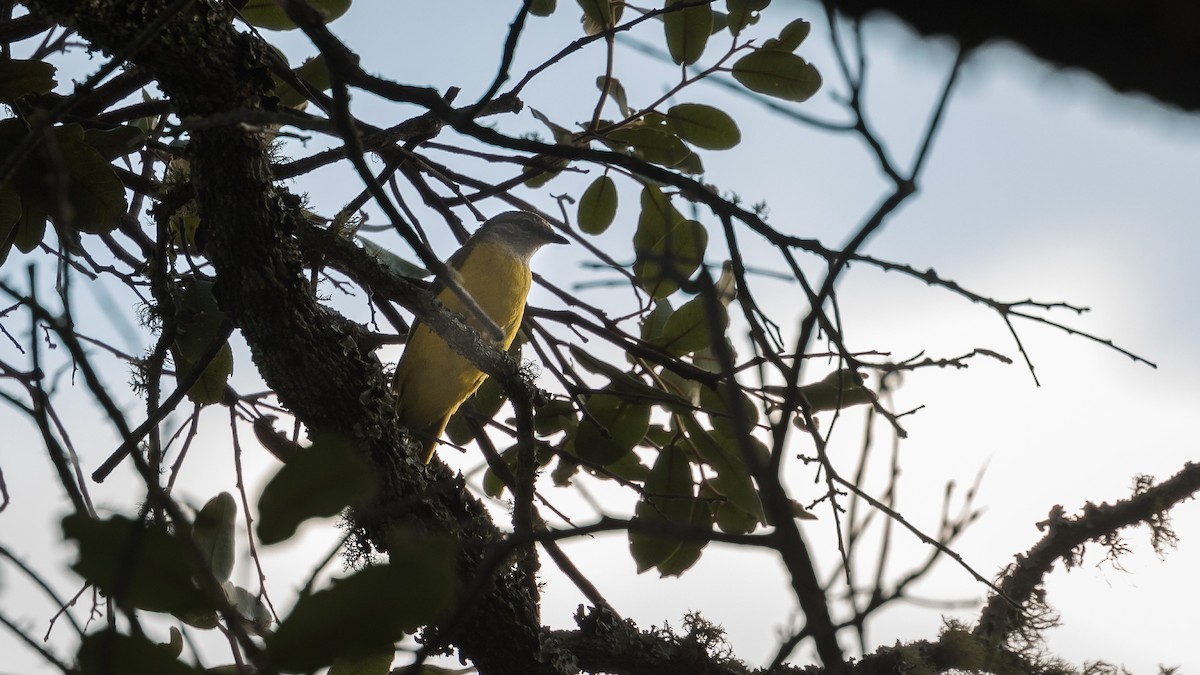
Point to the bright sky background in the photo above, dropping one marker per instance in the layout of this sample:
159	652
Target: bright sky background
1042	184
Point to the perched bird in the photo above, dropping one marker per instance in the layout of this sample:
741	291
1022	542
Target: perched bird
432	380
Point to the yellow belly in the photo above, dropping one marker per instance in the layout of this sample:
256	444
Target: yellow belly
432	380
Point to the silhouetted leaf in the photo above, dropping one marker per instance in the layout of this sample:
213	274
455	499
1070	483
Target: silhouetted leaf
652	144
318	482
667	255
598	205
693	327
543	7
314	72
137	565
616	92
269	15
198	321
622	425
115	142
213	531
777	73
374	664
687	31
365	613
790	37
599	15
704	126
743	13
733	479
20	77
669	496
839	389
719	409
689	550
107	652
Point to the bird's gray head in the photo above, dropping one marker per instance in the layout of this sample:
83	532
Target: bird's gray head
522	231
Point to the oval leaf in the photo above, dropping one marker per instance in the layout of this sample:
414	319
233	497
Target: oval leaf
793	34
108	651
137	565
317	482
689	551
598	205
670	495
687	31
365	613
616	425
692	327
213	532
653	145
776	73
269	15
743	13
666	262
19	78
704	126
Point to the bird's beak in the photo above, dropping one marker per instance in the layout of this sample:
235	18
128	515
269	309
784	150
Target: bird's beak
558	239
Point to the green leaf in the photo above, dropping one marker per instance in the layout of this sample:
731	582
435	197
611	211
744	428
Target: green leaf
537	177
213	531
621	382
10	215
137	565
704	126
375	664
693	327
269	15
776	73
543	7
720	22
19	78
743	13
839	389
198	321
728	517
629	468
687	31
671	259
485	402
652	144
557	415
733	479
689	551
493	486
107	652
318	482
257	617
669	497
393	262
654	323
598	205
717	406
616	425
668	247
32	227
791	36
616	92
364	614
314	71
94	194
600	15
115	142
691	165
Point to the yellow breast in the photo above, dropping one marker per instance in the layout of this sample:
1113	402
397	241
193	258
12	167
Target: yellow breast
433	380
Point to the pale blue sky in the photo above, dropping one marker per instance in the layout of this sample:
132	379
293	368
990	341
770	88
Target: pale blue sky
1042	184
